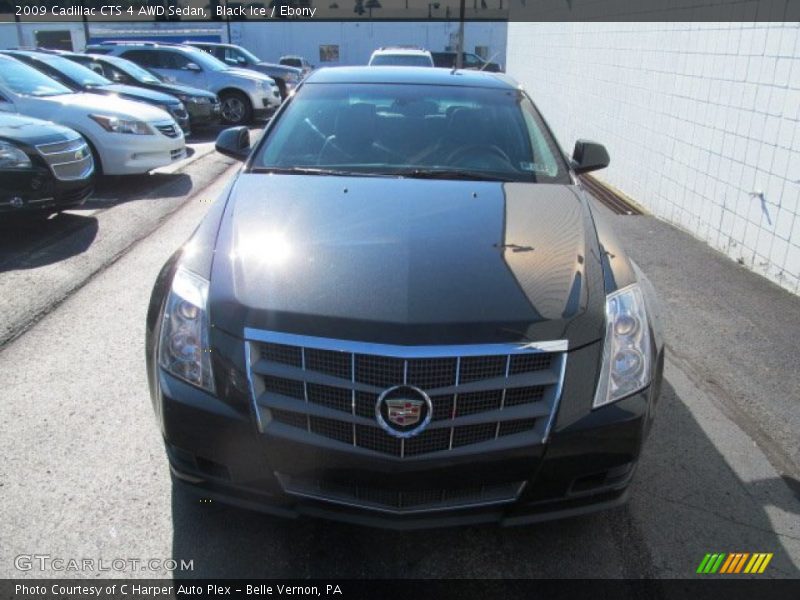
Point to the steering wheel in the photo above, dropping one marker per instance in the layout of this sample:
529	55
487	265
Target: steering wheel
483	152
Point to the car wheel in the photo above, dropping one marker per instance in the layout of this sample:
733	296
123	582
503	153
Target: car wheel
235	108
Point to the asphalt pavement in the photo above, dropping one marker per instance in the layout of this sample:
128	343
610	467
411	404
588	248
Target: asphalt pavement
84	472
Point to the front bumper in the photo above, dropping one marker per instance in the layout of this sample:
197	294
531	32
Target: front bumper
124	154
35	190
215	450
203	114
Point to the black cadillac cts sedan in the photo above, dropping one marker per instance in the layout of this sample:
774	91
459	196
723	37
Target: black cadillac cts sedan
405	312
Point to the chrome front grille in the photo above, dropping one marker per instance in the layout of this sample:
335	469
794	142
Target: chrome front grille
69	160
170	131
484	397
401	501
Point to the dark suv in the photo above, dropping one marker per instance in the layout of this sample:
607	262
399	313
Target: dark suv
405	312
285	77
471	61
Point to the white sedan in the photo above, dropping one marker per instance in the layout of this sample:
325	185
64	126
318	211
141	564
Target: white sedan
126	137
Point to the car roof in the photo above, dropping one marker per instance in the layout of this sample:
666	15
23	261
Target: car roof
412	75
215	44
401	50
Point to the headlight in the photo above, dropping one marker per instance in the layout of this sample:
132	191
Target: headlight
195	99
626	351
183	347
116	125
12	157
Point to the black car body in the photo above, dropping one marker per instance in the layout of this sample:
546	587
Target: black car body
298	62
471	61
43	166
287	78
80	79
405	345
202	106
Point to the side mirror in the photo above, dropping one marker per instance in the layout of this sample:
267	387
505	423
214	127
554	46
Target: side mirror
193	67
589	156
234	142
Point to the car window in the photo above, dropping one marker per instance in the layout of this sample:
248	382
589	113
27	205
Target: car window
145	58
386	129
400	60
134	71
471	60
176	60
27	81
84	76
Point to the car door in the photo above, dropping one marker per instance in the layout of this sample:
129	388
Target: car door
183	69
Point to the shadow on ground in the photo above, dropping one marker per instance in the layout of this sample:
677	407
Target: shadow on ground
686	501
31	241
23	240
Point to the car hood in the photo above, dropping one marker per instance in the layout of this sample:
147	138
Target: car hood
136	93
57	107
174	88
274	68
407	261
249	74
27	130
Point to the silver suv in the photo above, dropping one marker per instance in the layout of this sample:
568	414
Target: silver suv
244	95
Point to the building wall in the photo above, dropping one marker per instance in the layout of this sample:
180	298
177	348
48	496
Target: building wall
700	121
356	40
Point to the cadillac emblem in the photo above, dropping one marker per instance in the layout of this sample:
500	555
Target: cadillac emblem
403	411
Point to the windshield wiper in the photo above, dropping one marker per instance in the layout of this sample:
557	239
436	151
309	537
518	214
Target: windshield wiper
450	174
315	171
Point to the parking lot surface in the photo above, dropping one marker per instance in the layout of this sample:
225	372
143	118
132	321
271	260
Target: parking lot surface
84	473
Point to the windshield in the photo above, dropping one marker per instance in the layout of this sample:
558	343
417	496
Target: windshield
251	58
205	60
27	81
81	75
400	60
414	131
138	73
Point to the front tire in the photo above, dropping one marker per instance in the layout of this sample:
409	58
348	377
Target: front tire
235	109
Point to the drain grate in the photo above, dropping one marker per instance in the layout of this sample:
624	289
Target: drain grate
608	197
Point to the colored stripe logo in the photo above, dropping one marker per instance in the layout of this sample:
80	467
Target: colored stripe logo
734	563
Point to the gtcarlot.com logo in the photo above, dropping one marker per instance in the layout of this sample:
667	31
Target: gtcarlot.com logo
734	563
46	562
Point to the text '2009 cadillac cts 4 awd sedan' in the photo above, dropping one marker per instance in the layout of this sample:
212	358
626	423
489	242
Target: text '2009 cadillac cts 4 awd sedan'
405	312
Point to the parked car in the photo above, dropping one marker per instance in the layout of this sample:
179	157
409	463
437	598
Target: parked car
418	320
400	57
203	106
80	79
472	61
298	62
43	167
125	137
285	77
244	95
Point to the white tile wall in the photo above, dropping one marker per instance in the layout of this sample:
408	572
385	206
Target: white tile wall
697	118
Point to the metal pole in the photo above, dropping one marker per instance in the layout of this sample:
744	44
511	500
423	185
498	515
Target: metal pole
460	47
20	41
228	21
85	24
